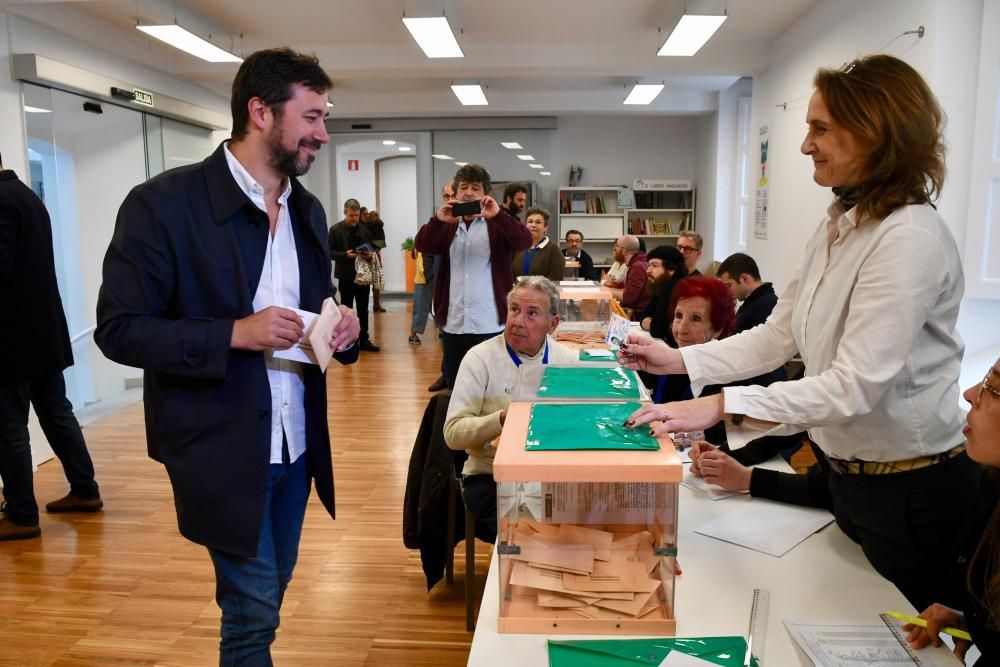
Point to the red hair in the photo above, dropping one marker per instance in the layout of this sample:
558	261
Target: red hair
722	304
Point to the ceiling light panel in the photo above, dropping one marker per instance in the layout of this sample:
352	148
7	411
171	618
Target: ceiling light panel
442	156
643	93
179	38
434	36
513	145
470	96
690	34
526	158
537	166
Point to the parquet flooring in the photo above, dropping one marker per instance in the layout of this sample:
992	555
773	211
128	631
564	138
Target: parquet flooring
121	587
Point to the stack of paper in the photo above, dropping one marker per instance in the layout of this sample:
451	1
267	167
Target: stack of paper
593	573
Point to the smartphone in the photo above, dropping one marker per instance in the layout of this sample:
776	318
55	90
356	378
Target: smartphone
463	208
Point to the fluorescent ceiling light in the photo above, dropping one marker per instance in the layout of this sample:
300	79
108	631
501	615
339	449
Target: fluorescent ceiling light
537	166
179	38
405	149
461	164
690	34
442	156
470	95
28	109
434	37
545	173
388	142
513	145
526	158
643	93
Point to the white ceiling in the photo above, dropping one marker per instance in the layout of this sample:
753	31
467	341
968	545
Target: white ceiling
533	56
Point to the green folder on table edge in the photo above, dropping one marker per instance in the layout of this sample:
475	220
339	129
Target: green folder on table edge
726	651
586	426
584	382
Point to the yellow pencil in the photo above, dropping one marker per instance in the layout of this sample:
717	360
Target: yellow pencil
954	632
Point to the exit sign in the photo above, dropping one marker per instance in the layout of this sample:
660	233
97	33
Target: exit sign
143	97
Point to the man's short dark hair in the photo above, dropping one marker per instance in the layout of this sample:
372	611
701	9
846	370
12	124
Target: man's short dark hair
351	205
473	173
270	75
737	264
574	231
512	189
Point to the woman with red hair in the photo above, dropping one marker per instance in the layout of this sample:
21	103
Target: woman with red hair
703	309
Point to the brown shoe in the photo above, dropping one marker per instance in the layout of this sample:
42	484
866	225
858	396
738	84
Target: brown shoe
71	503
15	531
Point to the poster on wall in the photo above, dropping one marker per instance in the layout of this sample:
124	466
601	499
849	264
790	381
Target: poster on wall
760	217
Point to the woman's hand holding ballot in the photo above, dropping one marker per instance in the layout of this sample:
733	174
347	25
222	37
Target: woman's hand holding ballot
643	353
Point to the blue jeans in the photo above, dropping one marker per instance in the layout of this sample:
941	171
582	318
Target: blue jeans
421	307
55	415
250	590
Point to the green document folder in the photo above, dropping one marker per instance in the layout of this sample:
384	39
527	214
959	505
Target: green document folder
584	382
557	426
587	356
725	651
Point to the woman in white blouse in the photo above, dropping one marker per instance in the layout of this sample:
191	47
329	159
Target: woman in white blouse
872	310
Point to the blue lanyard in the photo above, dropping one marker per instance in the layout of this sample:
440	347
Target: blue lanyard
517	360
528	256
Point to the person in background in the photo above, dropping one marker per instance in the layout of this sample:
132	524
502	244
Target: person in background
690	244
205	266
664	269
632	294
363	215
422	293
344	239
479	401
740	274
376	231
975	572
873	310
38	351
431	263
515	198
574	251
474	276
543	258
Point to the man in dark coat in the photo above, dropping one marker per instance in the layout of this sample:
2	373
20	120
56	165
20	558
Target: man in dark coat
344	237
38	350
205	267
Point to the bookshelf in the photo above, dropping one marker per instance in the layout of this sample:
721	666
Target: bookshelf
662	209
594	212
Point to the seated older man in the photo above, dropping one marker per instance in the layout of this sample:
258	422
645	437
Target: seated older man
485	379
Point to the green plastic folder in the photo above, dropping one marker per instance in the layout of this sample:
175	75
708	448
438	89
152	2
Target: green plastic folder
726	651
577	426
587	356
584	382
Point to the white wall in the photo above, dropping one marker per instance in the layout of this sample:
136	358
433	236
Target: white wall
707	181
397	206
835	31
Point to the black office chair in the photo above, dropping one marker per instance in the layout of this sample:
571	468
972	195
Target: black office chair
470	553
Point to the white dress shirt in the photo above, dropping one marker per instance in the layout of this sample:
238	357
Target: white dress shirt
872	310
278	286
471	306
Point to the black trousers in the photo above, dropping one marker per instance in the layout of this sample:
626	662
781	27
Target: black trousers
480	495
55	414
351	292
455	347
908	522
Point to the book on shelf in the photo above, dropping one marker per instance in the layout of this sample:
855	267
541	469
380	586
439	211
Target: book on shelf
650	227
579	202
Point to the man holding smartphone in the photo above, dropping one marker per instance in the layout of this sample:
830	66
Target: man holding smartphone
476	242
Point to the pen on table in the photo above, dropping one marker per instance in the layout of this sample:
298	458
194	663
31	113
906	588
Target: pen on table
954	632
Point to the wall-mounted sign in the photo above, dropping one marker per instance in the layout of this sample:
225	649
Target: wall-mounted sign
657	184
143	97
352	165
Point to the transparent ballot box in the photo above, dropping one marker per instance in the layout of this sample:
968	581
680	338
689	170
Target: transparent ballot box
583	305
587	539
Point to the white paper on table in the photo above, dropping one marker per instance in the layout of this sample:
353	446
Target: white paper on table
678	659
600	352
837	643
297	352
583	284
765	526
712	491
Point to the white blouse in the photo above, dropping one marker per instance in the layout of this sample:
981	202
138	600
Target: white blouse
872	310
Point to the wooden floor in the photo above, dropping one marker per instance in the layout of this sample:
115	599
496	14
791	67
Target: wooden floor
121	587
